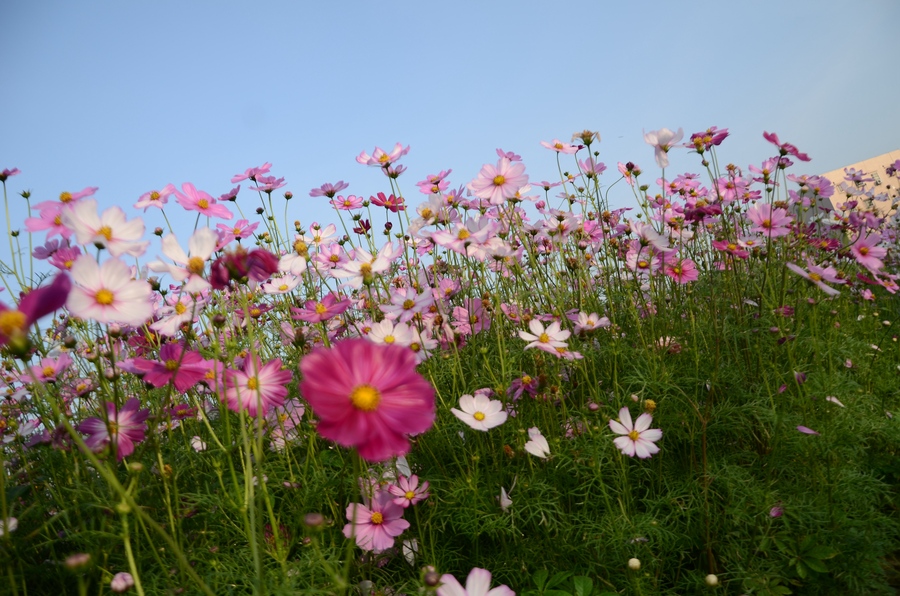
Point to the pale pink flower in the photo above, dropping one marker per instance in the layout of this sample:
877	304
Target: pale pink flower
560	147
197	200
380	158
662	140
376	524
108	294
638	438
497	183
537	445
109	230
155	198
477	584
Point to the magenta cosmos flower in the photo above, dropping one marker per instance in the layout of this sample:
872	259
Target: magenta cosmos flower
638	438
123	428
367	396
375	526
15	322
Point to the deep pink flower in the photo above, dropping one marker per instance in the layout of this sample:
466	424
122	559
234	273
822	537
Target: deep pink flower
257	388
122	428
375	525
785	148
367	396
182	367
15	322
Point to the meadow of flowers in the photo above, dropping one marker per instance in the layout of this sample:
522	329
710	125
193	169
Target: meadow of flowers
503	386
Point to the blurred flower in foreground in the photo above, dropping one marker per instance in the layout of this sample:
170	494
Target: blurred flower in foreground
638	438
477	584
14	323
367	396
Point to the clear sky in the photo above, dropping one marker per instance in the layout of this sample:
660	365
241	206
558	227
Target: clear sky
129	96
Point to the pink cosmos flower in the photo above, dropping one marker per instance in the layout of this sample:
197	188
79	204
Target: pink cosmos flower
477	584
380	158
328	189
867	252
15	322
122	429
769	221
785	148
183	368
638	438
258	388
376	524
662	140
197	200
367	396
408	492
497	183
818	276
560	147
108	294
155	198
252	173
316	311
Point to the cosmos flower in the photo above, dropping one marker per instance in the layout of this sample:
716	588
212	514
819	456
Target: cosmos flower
367	396
638	438
480	412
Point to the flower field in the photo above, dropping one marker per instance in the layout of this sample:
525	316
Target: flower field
492	386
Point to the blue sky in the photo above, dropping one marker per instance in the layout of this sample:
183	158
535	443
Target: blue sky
129	96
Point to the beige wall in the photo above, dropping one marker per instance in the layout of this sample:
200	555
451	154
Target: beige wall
882	184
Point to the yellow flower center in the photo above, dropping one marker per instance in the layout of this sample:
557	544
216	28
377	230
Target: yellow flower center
634	435
195	265
377	518
479	416
365	397
499	180
11	321
104	297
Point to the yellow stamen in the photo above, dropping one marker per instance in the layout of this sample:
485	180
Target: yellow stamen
365	398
